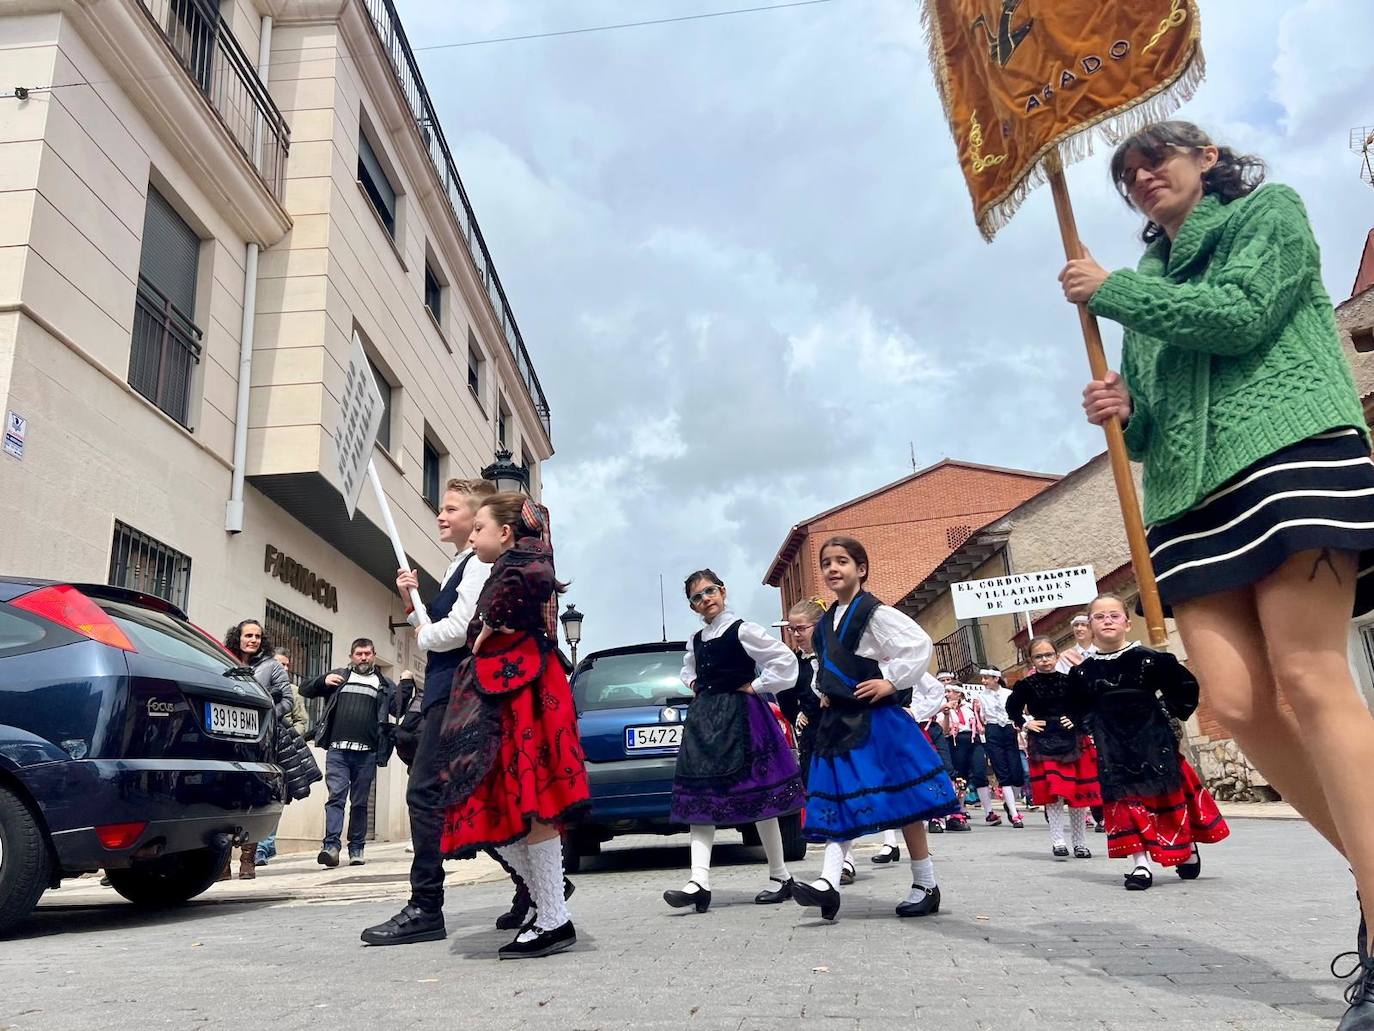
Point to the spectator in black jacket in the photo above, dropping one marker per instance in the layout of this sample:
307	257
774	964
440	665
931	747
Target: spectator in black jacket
356	733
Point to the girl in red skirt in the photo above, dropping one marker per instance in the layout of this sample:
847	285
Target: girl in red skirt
514	763
1063	762
1154	804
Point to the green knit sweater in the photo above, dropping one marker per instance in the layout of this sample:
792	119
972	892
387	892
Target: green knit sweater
1231	349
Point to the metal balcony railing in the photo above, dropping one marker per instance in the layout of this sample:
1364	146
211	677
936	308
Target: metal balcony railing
212	57
387	24
962	654
165	352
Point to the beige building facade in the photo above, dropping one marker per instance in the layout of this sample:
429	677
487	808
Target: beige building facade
201	205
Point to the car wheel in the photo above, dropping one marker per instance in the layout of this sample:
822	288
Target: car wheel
750	834
793	843
572	857
168	880
24	860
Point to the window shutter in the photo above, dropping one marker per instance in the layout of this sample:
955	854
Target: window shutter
171	253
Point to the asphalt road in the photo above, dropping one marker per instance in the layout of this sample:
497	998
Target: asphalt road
1022	941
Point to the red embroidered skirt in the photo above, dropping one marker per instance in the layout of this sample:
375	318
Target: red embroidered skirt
538	773
1075	780
1165	826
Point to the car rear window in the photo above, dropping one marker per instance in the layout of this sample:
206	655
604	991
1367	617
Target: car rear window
622	681
160	633
19	635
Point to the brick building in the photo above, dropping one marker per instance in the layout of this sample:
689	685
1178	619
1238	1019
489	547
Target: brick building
908	527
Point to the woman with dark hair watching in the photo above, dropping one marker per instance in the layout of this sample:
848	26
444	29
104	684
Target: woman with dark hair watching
247	642
1236	396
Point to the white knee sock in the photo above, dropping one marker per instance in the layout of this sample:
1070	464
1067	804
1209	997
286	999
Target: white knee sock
832	864
985	796
771	836
518	857
1078	826
923	872
890	838
1055	812
702	834
546	884
1009	797
1140	859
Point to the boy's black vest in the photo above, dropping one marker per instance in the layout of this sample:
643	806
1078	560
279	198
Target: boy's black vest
840	669
440	667
722	664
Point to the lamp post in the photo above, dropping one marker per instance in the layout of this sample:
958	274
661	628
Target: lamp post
507	476
572	628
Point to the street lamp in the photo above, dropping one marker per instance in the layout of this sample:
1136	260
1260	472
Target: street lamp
507	476
572	628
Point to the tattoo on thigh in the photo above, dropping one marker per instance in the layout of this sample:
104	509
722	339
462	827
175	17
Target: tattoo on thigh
1324	559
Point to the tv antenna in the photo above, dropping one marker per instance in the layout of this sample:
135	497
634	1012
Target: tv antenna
1361	143
662	612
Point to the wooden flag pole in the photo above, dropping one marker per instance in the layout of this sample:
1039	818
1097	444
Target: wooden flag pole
1116	440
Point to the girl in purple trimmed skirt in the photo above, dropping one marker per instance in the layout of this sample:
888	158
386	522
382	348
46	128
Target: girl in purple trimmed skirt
734	765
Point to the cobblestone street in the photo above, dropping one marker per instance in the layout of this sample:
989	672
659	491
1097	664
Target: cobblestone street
1021	941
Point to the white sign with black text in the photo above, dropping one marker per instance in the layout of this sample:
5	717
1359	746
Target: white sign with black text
1019	592
16	429
360	418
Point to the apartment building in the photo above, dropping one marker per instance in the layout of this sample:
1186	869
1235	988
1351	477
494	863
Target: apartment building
201	205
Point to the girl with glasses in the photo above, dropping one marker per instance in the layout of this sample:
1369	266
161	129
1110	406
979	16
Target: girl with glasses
1154	803
734	765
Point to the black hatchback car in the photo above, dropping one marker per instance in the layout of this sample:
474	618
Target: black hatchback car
130	741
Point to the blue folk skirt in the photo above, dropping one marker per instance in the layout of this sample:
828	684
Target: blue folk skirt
892	779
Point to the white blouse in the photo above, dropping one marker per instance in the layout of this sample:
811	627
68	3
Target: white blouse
993	701
451	632
902	651
777	663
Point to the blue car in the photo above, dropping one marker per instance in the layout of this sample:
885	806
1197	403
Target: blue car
130	741
631	704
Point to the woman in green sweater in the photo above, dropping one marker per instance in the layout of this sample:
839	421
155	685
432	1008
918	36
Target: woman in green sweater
1259	490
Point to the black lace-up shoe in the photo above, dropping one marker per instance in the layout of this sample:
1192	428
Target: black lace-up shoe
1359	993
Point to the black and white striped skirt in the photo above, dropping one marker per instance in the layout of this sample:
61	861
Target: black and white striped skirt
1318	493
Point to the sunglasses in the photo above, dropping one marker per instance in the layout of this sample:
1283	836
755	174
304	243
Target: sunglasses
703	594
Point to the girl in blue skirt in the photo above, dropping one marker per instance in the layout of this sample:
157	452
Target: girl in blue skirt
872	768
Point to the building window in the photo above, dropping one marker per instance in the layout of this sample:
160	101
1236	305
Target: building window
310	647
431	486
141	563
502	421
383	385
376	185
475	361
165	348
434	294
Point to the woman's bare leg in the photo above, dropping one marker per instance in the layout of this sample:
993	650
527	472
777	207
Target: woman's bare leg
1228	653
1304	607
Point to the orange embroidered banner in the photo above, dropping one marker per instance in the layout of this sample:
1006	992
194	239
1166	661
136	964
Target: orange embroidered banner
1022	79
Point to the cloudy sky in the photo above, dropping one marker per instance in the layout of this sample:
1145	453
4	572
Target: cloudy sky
744	262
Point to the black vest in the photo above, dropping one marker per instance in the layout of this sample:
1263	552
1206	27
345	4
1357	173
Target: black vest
722	664
440	666
839	667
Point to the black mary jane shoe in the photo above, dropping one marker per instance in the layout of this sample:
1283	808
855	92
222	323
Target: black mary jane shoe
889	854
1189	871
772	896
1082	852
1139	879
1060	851
1359	994
847	873
933	827
701	898
410	925
928	905
544	943
827	899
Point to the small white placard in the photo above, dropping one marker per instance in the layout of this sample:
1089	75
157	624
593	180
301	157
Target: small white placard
360	417
16	429
1017	592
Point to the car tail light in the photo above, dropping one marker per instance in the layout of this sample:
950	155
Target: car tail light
120	835
68	607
